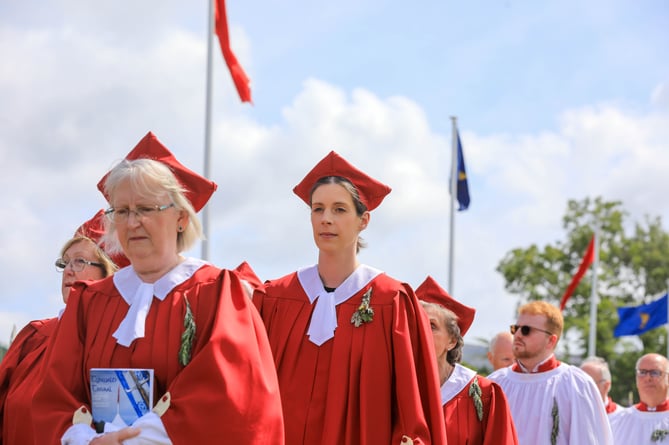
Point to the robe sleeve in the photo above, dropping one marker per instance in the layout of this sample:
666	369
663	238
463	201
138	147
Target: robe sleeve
500	429
419	411
229	391
8	366
62	390
589	422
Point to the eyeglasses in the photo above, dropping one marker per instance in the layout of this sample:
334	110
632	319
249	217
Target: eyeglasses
526	330
121	215
654	373
77	264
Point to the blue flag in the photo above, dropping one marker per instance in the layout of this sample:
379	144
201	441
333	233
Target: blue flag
635	320
462	187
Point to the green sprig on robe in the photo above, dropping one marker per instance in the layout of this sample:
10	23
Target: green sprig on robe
555	413
475	393
188	336
658	435
365	313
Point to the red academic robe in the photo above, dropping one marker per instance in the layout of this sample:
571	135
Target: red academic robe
368	385
19	377
228	392
463	426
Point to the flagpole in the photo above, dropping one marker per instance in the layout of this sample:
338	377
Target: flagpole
667	326
12	335
453	186
207	126
594	300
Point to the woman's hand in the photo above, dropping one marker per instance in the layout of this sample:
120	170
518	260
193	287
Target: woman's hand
117	437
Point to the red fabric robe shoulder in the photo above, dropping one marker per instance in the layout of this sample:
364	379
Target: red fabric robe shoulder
20	373
371	384
611	406
495	427
228	391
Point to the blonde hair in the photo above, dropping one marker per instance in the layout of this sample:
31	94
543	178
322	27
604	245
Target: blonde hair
554	321
151	179
108	266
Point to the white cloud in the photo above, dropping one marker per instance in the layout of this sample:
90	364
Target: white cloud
660	95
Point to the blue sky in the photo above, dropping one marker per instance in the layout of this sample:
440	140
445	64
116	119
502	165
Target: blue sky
555	101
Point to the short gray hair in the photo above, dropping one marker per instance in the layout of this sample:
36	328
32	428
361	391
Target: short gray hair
450	320
601	364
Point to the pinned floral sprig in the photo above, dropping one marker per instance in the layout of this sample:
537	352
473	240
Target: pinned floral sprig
659	435
555	413
365	313
475	393
188	336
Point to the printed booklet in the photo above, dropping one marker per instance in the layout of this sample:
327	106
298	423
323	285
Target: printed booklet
121	395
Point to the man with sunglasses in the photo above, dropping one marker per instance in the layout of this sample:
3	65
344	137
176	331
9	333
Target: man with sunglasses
647	422
551	402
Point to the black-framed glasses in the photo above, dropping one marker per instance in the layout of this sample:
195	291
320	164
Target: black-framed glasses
121	215
654	373
526	330
77	264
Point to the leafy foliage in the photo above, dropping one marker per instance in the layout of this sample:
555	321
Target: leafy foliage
632	269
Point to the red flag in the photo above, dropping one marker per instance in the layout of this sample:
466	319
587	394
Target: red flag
587	260
236	70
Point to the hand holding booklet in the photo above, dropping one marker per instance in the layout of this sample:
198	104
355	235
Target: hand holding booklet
119	396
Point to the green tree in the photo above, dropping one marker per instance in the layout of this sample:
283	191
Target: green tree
632	268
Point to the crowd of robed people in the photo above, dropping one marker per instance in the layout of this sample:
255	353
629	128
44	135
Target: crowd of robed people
334	353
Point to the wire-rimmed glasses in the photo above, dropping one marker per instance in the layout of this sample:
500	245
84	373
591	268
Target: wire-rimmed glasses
77	264
121	215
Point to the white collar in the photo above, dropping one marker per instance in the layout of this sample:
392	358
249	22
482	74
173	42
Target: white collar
127	281
457	381
324	318
139	296
536	367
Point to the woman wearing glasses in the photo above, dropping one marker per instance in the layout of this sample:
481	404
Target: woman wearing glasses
475	409
81	259
188	321
551	401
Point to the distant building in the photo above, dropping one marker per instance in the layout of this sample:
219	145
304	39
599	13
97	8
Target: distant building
475	356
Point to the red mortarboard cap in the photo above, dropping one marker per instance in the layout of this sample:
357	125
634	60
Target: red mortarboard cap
431	292
94	229
245	272
198	188
370	190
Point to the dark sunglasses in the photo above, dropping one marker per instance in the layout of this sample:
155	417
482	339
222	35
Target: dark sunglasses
526	330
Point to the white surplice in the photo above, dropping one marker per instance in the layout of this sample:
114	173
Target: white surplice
532	397
631	426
